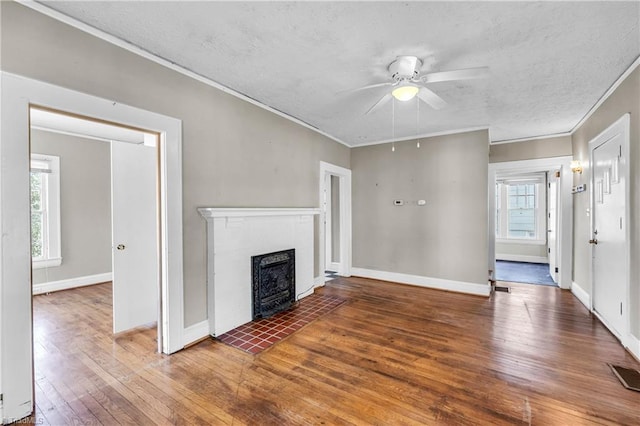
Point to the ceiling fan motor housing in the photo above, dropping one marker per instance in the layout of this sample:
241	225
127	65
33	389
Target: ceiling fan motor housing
405	68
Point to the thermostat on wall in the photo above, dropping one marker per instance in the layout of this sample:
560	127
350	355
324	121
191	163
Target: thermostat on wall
579	188
398	202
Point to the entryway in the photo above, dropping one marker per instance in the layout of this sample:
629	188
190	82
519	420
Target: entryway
335	222
99	222
530	210
18	95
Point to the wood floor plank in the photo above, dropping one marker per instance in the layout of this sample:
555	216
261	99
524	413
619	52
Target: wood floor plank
391	354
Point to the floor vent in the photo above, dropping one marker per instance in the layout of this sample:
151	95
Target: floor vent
629	377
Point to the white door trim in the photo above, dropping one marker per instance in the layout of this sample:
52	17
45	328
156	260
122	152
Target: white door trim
621	125
325	223
18	93
564	210
327	169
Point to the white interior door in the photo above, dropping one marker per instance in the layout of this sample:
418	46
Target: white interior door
135	235
552	225
608	239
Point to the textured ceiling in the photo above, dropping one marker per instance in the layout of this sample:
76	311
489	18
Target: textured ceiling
549	62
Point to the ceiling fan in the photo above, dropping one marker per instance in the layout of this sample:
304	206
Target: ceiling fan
408	83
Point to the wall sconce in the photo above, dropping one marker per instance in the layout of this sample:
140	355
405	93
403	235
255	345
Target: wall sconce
576	167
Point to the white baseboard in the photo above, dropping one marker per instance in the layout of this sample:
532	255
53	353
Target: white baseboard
634	346
195	332
521	258
581	295
318	281
50	286
480	289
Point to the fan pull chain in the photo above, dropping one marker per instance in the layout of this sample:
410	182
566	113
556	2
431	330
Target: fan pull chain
417	121
393	125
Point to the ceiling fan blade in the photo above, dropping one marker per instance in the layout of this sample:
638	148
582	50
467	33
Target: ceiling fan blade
383	100
430	98
466	74
371	86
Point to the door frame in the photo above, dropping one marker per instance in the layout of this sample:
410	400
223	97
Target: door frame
344	176
621	125
564	209
555	202
18	94
328	224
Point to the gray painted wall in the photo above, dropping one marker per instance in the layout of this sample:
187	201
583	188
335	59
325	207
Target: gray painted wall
445	239
85	205
235	154
537	250
626	98
531	149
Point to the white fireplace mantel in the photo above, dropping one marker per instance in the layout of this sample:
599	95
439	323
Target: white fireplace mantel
210	212
236	234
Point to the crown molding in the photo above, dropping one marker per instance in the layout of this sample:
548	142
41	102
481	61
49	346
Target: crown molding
424	135
555	135
45	10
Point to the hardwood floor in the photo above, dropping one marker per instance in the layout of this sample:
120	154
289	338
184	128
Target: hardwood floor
392	354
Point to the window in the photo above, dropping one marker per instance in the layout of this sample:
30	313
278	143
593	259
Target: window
520	208
521	211
45	211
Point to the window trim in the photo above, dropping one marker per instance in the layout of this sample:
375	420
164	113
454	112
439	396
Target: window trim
53	253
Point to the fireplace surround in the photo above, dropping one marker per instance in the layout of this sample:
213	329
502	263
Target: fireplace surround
234	236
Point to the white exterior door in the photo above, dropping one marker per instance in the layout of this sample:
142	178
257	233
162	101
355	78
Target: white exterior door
552	225
135	235
608	240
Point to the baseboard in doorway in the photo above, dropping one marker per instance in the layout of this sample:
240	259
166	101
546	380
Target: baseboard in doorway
70	283
581	295
634	347
521	258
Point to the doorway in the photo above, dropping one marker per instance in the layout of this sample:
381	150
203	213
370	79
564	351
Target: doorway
525	229
335	222
331	212
530	180
106	195
18	94
610	236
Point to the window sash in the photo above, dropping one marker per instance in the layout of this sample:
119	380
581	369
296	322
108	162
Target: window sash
45	211
518	214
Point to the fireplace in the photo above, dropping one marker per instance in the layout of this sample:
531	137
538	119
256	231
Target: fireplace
274	282
234	235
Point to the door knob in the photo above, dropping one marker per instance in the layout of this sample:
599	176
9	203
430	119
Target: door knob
594	241
120	246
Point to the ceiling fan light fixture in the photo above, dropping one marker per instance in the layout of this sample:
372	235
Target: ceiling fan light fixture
405	92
